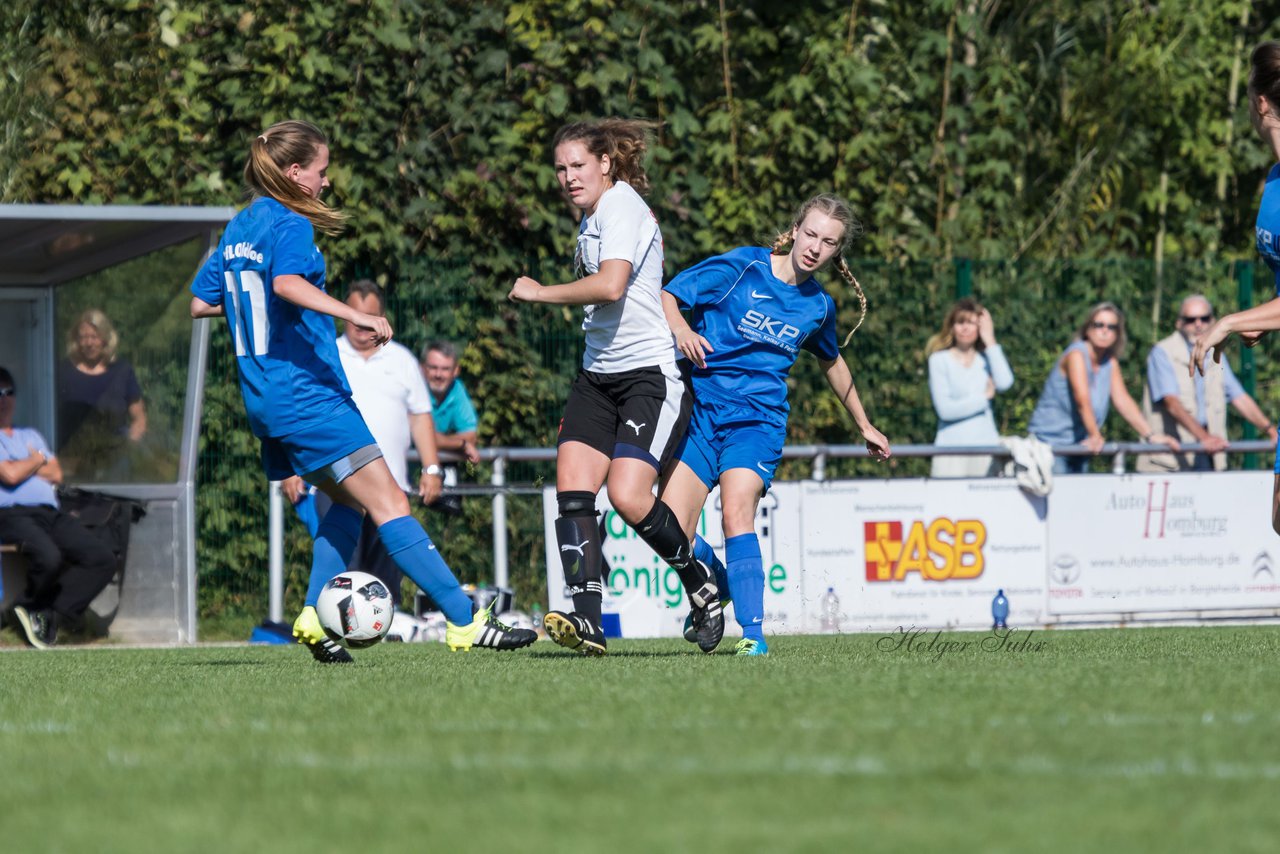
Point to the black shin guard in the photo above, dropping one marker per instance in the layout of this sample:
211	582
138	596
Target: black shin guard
579	537
661	531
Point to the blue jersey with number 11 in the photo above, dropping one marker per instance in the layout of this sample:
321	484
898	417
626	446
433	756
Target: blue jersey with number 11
757	325
290	373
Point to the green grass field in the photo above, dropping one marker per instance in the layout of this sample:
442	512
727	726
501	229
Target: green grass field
1124	740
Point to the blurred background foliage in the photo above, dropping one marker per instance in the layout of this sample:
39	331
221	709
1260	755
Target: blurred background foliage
1044	155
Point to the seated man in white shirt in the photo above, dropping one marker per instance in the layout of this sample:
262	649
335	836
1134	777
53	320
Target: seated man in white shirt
390	393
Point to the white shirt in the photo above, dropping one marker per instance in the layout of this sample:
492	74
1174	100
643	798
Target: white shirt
387	388
632	332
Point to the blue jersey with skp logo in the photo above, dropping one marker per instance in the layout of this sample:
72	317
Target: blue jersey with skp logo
1267	227
757	324
290	373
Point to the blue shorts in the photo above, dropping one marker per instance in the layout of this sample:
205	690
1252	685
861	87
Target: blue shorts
330	449
723	436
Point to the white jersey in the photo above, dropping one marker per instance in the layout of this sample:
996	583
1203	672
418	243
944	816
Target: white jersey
632	332
387	388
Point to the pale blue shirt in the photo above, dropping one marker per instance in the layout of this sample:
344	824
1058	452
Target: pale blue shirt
35	490
1056	419
1163	383
960	396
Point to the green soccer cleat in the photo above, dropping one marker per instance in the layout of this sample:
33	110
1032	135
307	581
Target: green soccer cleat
747	646
574	631
487	631
308	632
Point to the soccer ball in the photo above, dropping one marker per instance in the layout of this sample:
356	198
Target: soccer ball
355	609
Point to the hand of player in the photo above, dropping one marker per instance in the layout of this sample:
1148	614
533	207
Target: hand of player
379	326
294	488
877	444
1251	339
1212	337
525	289
429	487
693	346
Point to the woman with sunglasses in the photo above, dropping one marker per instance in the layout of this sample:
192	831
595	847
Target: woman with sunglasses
1083	385
1252	324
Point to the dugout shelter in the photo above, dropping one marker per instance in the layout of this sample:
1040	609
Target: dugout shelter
133	263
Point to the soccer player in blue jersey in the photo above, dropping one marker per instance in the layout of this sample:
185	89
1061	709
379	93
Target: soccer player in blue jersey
753	310
267	277
1252	324
629	406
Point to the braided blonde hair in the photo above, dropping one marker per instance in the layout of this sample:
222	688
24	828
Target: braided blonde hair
275	150
838	209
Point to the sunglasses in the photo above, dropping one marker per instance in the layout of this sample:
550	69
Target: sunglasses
8	392
1098	324
1197	318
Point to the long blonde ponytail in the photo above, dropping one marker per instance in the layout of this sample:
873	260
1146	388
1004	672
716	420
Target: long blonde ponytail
275	150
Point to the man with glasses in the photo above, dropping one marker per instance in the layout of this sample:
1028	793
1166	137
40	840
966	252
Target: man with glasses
1193	409
67	565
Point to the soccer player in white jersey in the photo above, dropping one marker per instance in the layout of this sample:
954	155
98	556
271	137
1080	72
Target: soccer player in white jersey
267	278
754	309
630	404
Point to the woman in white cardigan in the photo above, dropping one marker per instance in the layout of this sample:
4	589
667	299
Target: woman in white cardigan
966	369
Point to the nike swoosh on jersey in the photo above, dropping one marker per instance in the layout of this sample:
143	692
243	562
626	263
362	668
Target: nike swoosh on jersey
762	467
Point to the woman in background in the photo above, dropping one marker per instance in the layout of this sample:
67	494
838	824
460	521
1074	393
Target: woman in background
1083	385
966	370
100	407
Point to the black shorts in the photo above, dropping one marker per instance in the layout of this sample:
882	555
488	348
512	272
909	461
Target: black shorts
640	414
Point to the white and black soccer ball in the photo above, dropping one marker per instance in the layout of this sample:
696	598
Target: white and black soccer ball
355	609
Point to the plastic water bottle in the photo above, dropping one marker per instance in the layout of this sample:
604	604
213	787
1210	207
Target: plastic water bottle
829	608
1000	611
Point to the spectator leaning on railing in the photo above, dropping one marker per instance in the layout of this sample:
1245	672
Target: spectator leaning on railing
1084	383
1193	407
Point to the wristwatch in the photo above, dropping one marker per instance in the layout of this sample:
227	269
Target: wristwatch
433	470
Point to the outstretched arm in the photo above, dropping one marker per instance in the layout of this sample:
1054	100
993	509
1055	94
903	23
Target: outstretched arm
841	382
688	342
608	284
1249	323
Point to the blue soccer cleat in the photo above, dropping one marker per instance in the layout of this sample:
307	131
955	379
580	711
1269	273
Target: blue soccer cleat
747	646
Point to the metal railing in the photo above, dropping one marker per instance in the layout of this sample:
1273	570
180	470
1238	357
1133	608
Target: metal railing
498	489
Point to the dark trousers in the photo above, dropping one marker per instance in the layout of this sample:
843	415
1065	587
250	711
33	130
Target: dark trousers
68	565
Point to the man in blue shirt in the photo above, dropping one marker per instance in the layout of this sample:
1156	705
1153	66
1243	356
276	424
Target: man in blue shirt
68	566
1193	408
455	417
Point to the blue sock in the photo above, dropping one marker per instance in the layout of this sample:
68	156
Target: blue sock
703	553
335	542
415	554
746	582
306	510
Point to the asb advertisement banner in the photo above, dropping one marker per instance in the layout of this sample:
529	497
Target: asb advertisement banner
894	552
1154	543
929	554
